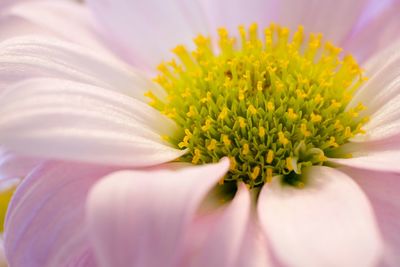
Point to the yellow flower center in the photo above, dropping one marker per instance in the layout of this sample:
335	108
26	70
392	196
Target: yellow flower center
273	104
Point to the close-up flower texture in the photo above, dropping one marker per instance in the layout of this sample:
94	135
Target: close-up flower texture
209	133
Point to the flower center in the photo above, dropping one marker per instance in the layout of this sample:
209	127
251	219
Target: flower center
272	104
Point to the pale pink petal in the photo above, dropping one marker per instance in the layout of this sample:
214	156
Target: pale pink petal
385	161
383	72
16	166
255	249
139	218
64	19
3	260
32	57
327	223
377	33
45	223
383	191
147	30
223	244
61	119
232	13
335	19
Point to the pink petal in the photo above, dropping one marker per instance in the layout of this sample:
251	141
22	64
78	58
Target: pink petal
223	244
68	20
32	57
385	161
148	30
328	223
383	71
45	222
16	166
53	118
383	189
378	32
232	13
334	18
139	218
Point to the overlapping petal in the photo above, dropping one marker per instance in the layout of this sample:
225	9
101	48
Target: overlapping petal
61	119
135	215
377	32
45	222
33	57
64	19
146	31
223	245
382	189
16	166
312	226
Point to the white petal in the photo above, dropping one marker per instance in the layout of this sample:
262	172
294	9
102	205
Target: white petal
148	30
333	18
383	84
328	223
225	238
32	57
74	121
65	19
385	161
139	218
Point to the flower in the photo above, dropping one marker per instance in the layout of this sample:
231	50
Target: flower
109	191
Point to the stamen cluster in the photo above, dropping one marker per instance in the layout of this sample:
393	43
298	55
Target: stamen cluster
272	104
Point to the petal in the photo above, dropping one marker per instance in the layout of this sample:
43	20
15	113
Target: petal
64	19
383	84
383	189
135	215
148	30
223	244
328	223
16	166
3	260
385	161
232	13
73	121
45	222
334	18
378	32
32	57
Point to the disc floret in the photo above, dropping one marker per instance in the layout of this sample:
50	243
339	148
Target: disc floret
272	104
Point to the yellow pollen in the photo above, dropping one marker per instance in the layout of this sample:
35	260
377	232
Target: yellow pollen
270	156
272	101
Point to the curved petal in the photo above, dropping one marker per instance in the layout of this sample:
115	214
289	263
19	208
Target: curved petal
232	13
383	71
330	216
334	19
223	244
135	215
16	166
45	222
376	33
68	20
383	189
3	260
148	30
73	121
384	161
33	57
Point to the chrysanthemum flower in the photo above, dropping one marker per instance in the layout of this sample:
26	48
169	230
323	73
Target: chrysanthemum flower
256	145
